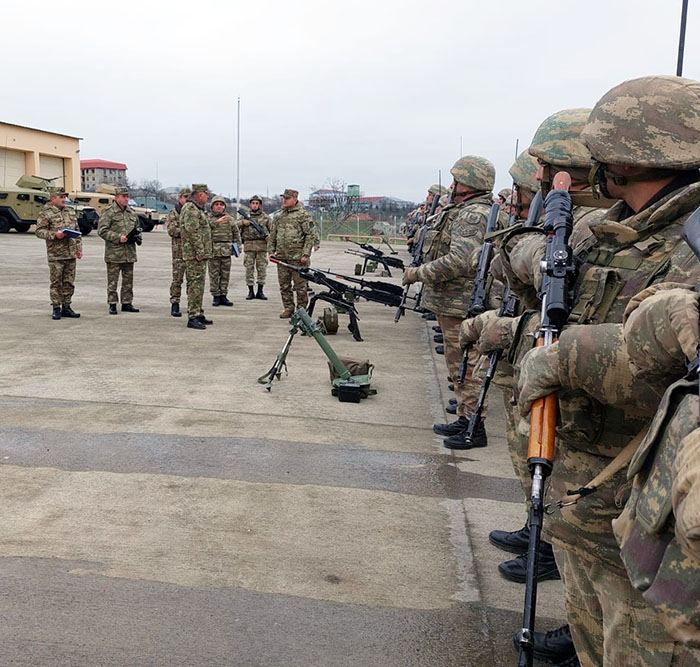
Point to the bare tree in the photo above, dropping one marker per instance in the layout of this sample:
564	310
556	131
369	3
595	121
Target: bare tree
333	202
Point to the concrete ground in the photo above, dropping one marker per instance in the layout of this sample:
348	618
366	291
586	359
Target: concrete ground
159	507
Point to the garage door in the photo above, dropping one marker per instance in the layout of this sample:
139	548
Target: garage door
52	167
11	166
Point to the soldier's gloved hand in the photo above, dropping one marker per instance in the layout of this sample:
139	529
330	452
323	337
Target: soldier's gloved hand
661	329
410	275
497	332
539	376
471	329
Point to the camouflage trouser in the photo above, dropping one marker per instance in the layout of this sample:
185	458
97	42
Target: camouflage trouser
178	275
255	260
195	271
219	274
61	281
467	394
127	291
286	277
610	622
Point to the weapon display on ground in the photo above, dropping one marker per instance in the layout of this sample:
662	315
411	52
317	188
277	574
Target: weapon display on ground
347	387
509	307
253	223
371	254
134	236
343	296
558	270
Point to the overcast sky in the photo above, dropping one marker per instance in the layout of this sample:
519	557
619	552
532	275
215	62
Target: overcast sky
373	92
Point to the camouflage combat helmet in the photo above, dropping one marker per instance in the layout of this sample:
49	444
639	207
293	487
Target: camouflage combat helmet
505	193
557	140
437	189
218	199
650	122
524	172
256	198
475	172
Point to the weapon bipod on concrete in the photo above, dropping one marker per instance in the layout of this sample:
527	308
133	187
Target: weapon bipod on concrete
347	387
343	307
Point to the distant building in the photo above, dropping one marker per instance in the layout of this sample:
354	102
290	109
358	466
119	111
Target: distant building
27	151
97	172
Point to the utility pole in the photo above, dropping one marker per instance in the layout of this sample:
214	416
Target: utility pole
238	154
681	39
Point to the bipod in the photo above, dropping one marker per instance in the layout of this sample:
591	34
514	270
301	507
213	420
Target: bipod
347	387
342	305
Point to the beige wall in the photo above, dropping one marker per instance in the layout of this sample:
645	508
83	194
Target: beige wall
37	143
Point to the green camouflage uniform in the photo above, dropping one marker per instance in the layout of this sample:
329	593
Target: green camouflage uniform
224	232
120	257
173	223
625	253
291	238
195	231
61	253
451	255
255	248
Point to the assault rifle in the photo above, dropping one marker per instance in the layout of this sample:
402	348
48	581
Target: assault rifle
417	249
558	270
372	254
134	236
343	295
509	308
259	229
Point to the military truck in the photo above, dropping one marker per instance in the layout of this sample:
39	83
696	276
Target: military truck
104	196
21	204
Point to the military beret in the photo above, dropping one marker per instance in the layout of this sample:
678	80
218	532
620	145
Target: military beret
256	198
184	192
291	194
121	190
199	187
55	190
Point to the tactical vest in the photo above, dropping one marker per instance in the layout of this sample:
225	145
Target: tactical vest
667	576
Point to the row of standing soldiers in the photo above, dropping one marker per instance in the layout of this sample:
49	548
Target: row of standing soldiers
627	547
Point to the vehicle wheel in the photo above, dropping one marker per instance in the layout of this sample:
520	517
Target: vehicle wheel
22	227
4	225
147	225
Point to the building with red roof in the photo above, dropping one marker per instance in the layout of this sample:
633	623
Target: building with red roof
97	172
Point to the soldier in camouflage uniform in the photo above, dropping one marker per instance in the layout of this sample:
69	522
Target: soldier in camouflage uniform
255	248
419	223
173	223
629	369
451	250
224	232
291	241
645	141
116	222
195	230
61	250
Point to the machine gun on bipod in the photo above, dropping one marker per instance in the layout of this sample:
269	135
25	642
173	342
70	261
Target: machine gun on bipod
371	254
347	387
343	295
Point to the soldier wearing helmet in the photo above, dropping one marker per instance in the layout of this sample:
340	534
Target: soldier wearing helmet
224	232
450	250
255	247
644	139
173	226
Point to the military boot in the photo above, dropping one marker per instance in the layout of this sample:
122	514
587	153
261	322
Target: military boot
452	428
130	308
112	308
175	309
439	338
203	320
216	301
56	313
516	569
437	329
224	301
514	541
194	323
67	311
440	349
451	409
459	441
260	294
251	293
554	647
287	313
452	401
